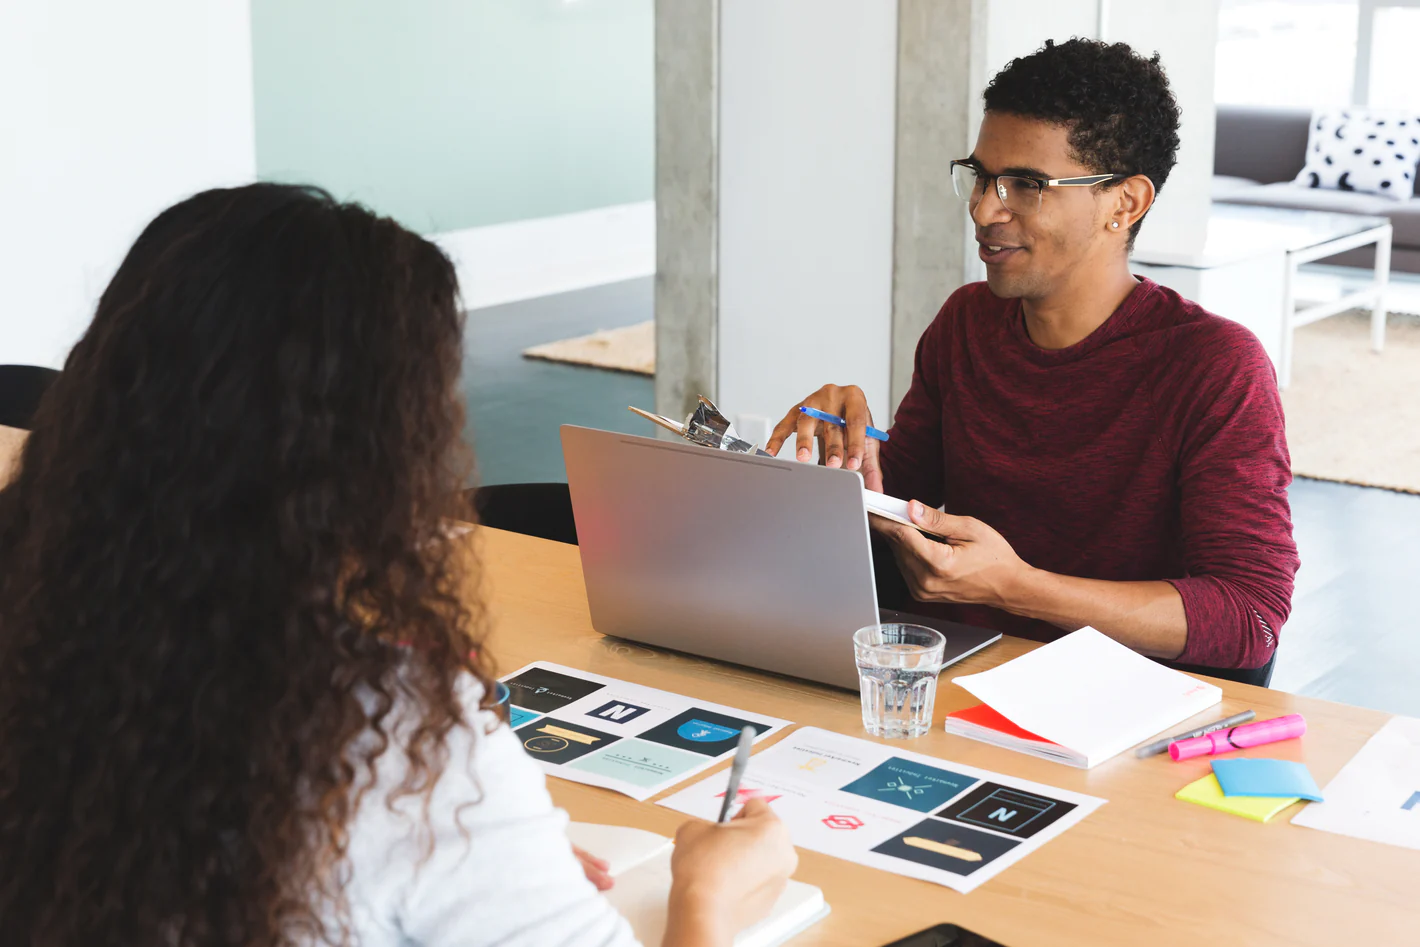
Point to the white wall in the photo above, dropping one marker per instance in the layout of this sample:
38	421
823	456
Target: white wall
1017	28
524	259
1185	35
111	111
807	124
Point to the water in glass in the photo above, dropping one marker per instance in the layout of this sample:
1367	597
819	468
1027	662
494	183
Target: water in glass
897	677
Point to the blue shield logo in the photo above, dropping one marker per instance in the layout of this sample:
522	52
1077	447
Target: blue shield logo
699	731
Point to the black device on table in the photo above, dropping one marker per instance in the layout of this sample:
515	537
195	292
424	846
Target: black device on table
945	935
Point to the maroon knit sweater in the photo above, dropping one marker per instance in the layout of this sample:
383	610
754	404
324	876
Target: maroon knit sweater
1153	449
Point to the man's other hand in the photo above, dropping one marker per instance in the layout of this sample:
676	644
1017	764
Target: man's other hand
975	565
848	447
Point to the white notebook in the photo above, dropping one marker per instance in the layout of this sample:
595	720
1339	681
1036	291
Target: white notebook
1087	693
641	866
890	508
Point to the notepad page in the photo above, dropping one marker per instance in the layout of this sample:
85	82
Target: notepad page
641	894
1090	693
622	846
641	868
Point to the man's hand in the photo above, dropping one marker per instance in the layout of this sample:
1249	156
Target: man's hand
975	566
838	447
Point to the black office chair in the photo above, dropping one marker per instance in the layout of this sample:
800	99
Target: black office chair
1260	677
21	388
543	510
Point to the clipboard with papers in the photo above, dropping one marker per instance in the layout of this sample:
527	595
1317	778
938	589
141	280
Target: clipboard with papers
708	427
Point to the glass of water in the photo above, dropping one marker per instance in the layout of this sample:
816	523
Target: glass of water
897	677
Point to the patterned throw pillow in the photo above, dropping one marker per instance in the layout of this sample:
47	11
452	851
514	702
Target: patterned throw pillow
1358	149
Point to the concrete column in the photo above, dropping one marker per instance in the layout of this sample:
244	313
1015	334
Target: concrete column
687	202
806	229
941	50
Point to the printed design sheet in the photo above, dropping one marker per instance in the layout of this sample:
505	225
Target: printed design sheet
632	739
902	812
1376	795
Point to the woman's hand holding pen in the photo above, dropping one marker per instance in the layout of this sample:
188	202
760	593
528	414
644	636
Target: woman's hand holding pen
848	446
727	876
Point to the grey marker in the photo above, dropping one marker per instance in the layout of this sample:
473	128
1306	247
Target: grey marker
737	770
1158	746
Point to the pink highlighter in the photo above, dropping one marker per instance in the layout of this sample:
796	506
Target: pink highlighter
1237	738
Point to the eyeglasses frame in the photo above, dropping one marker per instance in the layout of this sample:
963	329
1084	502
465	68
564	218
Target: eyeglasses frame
1088	180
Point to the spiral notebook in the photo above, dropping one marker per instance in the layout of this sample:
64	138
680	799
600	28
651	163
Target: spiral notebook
641	867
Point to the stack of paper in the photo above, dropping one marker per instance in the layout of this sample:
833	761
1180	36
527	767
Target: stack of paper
1079	700
641	869
987	725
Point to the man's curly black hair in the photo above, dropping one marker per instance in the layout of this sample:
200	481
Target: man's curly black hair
1121	115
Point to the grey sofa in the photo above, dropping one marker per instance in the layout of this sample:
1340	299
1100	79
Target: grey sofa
1257	154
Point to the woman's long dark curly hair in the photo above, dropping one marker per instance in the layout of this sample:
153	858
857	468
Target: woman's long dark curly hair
223	560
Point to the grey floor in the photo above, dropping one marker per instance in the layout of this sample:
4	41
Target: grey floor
1353	635
515	405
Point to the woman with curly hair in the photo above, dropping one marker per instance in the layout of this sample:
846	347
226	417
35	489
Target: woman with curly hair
242	698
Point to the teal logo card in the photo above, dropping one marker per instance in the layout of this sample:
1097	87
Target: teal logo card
911	785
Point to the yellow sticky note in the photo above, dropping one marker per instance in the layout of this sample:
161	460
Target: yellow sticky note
1207	792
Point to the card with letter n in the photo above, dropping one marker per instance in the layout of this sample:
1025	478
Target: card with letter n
621	736
903	812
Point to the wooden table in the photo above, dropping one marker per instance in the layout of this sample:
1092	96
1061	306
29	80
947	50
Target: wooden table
1143	869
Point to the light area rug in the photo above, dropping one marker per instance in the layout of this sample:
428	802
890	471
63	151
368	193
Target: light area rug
628	349
1354	415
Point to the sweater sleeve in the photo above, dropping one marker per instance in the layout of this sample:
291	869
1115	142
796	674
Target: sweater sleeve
487	863
1234	470
912	456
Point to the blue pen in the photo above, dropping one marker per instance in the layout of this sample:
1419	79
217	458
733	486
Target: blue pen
835	419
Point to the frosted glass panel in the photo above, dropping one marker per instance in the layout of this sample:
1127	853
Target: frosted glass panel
457	113
1280	53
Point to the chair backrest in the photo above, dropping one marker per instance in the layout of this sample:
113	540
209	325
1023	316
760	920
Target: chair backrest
1260	677
21	388
543	510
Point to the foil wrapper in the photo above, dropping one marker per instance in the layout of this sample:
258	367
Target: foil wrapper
709	427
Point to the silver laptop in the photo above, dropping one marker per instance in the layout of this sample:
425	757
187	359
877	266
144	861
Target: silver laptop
753	560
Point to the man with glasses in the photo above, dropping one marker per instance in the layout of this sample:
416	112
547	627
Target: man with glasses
1107	453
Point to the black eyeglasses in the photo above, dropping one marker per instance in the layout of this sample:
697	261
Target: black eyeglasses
1019	194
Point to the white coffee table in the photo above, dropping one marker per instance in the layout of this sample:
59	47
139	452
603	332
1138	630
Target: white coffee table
1247	270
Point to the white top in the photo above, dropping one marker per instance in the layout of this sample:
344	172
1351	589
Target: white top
499	869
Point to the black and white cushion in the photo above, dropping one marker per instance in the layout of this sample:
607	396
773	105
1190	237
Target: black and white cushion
1359	149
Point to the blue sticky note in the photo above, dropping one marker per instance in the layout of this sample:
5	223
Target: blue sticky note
1275	778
